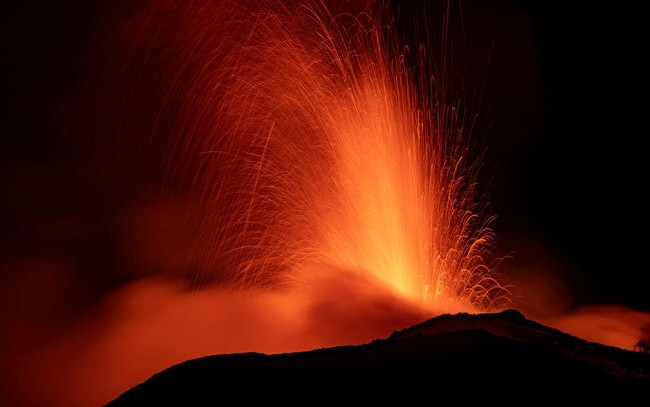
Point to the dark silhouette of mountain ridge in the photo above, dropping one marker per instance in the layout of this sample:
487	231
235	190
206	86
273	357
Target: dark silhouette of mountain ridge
462	355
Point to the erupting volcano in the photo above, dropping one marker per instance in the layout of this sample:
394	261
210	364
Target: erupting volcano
282	176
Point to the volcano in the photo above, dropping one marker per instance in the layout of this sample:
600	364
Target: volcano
499	351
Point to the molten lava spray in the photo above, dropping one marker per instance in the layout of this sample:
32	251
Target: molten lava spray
314	145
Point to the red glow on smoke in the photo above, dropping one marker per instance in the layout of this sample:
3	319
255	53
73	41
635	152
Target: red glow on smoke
152	324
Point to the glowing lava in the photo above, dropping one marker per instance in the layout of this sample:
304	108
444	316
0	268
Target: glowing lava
314	146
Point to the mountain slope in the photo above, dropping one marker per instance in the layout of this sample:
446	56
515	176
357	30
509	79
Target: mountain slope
452	355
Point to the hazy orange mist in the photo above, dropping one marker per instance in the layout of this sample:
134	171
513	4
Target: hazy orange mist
151	324
612	325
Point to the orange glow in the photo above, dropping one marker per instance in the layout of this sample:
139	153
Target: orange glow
152	324
612	325
312	145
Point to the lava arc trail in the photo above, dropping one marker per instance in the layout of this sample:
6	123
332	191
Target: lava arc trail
316	148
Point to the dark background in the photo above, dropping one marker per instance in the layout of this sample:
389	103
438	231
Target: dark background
579	183
563	109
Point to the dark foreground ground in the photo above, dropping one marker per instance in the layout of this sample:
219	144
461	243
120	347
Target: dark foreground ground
499	358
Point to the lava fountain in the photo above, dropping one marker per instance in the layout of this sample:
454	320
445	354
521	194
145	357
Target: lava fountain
314	147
